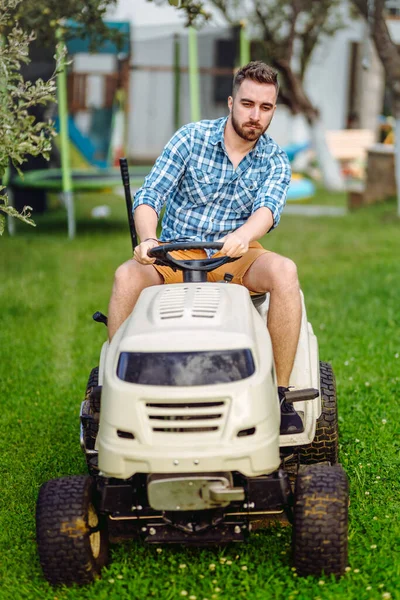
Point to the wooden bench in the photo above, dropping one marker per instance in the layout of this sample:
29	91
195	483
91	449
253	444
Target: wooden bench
350	144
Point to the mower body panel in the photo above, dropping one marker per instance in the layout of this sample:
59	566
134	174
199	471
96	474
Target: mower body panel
183	318
208	428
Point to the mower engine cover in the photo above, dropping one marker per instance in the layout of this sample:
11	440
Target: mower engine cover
189	386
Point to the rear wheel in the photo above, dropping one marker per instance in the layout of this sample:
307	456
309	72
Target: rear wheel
324	447
320	520
72	538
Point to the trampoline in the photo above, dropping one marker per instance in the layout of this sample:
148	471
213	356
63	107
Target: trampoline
82	179
66	179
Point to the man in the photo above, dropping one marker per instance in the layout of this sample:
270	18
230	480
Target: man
224	180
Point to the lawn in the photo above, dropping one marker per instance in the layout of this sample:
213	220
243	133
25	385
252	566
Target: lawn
49	287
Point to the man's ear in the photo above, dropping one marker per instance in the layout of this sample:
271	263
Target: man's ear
230	103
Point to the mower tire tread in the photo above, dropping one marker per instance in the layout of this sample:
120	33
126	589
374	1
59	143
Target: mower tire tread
320	521
324	447
63	532
92	425
93	382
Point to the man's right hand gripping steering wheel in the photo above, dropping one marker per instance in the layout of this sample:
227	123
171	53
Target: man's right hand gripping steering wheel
140	252
235	245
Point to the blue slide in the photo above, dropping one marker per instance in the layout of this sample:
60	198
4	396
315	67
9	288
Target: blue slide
83	143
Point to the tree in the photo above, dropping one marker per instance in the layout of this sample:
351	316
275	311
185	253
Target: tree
290	30
195	11
288	33
45	16
375	14
20	134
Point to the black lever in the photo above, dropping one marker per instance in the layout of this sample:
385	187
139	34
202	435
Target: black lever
123	164
100	318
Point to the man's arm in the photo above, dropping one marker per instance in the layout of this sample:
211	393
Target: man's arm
146	220
257	225
159	186
163	180
267	207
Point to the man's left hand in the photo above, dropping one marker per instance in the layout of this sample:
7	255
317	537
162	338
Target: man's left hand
234	245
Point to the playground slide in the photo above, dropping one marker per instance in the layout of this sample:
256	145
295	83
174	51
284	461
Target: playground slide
83	144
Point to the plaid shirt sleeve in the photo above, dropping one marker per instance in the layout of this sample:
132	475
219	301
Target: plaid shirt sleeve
164	178
272	194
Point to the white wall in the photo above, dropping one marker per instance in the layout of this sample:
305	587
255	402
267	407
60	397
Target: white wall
151	98
142	13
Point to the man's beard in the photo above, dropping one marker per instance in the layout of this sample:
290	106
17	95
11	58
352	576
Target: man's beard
250	135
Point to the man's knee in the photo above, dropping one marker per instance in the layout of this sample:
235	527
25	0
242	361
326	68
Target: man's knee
123	274
276	272
132	274
284	271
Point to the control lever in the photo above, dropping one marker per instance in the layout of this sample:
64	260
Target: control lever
100	318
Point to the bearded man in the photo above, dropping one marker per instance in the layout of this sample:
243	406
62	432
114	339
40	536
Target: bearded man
223	181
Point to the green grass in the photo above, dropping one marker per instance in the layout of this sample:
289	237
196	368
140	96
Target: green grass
49	287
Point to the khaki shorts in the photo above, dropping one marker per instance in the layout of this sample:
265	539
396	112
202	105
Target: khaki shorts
238	268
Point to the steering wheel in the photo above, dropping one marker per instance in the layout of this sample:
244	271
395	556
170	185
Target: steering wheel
163	256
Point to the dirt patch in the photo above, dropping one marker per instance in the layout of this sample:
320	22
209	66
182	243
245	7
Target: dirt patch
74	529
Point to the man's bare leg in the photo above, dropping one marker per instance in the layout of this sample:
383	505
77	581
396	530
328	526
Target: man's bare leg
278	275
130	279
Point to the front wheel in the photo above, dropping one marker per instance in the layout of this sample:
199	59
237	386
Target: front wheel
90	421
72	538
320	520
324	447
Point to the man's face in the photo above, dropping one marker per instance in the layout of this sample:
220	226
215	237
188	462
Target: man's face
252	109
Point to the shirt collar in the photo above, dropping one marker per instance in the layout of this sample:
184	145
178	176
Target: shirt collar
260	146
218	137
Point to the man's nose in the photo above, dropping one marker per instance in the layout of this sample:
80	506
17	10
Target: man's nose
255	113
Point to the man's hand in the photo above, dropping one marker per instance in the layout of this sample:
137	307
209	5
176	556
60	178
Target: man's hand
235	245
140	253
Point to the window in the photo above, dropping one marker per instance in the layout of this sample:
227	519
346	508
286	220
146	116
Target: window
393	8
225	53
185	368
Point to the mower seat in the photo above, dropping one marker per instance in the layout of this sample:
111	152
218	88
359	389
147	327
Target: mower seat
258	299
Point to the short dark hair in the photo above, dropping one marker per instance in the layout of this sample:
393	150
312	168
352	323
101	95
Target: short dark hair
256	71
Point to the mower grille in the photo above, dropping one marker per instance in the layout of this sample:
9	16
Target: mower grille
189	418
172	302
205	302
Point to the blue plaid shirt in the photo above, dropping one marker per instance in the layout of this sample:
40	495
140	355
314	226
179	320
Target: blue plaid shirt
205	197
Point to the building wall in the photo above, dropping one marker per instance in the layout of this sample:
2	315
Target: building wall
152	121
